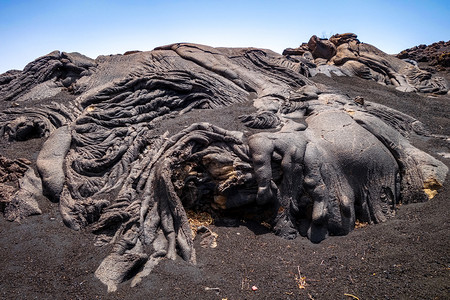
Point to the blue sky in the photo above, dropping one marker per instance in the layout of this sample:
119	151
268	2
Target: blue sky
29	29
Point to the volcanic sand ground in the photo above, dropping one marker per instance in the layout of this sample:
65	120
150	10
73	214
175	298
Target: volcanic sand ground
407	257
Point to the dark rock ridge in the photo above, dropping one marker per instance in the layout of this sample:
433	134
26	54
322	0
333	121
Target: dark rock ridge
436	54
345	55
239	133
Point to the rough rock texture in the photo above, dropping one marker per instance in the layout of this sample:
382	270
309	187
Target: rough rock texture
44	76
24	201
436	54
19	189
310	162
345	55
50	162
321	48
10	173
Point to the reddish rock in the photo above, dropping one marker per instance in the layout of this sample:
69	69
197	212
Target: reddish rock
321	48
296	51
339	39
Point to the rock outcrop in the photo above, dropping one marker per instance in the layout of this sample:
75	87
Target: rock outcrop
436	54
236	132
345	55
19	189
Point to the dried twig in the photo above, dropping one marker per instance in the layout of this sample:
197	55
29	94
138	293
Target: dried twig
353	296
245	283
197	219
301	280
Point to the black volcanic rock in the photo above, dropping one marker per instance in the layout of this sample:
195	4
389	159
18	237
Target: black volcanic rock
59	68
236	132
19	188
436	54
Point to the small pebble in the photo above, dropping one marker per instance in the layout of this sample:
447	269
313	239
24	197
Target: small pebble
254	288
